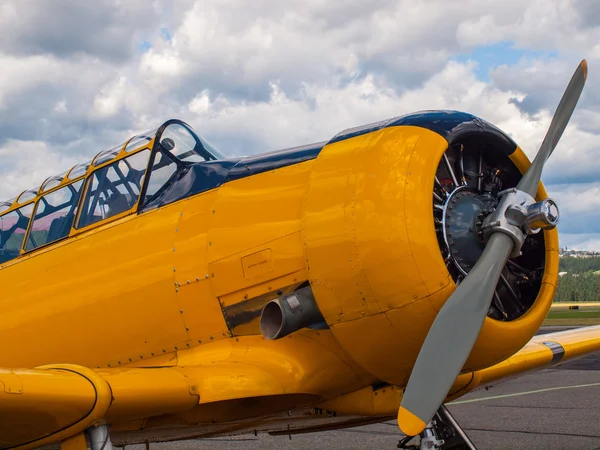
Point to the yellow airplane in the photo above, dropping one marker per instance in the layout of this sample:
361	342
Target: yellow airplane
164	292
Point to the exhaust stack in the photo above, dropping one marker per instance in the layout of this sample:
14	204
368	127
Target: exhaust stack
290	313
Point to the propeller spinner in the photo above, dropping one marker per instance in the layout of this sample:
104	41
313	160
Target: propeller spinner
457	325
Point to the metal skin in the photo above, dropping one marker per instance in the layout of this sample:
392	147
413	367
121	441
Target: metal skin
162	307
458	323
116	294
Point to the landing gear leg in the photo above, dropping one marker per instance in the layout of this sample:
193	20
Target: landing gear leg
99	437
442	433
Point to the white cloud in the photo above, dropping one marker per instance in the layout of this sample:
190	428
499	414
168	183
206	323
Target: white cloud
30	162
277	74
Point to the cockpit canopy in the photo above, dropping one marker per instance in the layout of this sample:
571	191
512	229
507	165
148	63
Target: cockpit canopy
178	138
118	180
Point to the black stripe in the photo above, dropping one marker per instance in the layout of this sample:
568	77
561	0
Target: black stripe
451	125
360	130
455	125
265	162
557	351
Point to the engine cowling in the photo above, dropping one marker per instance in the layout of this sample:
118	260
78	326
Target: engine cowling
380	260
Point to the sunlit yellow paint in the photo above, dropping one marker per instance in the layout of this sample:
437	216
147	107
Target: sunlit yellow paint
410	424
150	300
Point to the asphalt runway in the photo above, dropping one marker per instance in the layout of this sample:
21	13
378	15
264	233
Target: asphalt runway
556	408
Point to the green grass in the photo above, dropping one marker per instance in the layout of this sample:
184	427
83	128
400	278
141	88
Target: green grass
573	317
573	314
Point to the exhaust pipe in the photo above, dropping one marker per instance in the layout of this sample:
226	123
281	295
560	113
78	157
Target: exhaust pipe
290	313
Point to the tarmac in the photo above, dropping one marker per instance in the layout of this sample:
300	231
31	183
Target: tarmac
557	408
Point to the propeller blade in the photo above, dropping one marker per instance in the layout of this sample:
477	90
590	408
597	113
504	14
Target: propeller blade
529	182
451	338
457	325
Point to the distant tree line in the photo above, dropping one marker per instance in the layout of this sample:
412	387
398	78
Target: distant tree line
579	284
579	265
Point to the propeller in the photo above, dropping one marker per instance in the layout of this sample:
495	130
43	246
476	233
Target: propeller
457	325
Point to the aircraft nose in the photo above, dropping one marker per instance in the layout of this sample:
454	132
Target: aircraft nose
371	246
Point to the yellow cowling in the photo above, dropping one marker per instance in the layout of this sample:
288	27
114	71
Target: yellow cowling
373	257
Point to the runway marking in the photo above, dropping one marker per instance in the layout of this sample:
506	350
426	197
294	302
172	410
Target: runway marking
517	394
543	433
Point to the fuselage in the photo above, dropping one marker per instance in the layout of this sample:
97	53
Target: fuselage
191	268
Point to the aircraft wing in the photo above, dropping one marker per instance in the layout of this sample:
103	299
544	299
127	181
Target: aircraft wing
543	351
51	403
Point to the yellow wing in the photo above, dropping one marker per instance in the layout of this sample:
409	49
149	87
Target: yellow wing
51	403
541	352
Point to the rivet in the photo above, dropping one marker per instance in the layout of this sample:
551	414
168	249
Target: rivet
188	281
213	211
164	351
187	329
199	341
175	347
212	338
176	230
181	311
197	278
119	362
209	242
174	249
108	365
176	284
188	344
141	356
174	269
152	353
176	290
206	276
130	359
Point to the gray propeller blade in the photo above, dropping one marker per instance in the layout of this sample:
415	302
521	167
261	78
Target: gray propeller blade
529	182
451	338
457	325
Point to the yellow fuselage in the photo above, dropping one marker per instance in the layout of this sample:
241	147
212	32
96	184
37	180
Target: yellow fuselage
184	284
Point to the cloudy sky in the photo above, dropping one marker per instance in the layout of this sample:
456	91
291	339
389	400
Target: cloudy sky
267	74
